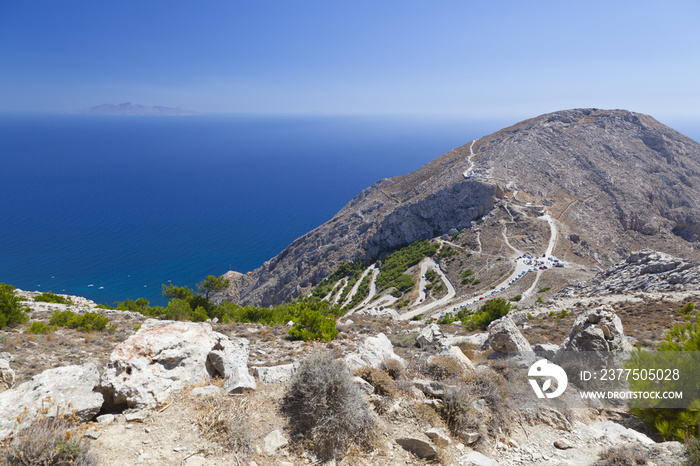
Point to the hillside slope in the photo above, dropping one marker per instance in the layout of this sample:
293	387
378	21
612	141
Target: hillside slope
615	181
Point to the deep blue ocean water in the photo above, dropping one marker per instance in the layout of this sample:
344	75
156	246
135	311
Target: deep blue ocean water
113	207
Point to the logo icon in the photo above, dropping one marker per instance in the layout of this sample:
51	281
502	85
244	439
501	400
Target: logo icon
544	368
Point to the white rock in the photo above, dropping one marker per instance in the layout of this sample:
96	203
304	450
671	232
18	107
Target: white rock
474	458
439	435
504	337
165	357
616	433
69	388
429	335
459	356
275	374
274	441
372	352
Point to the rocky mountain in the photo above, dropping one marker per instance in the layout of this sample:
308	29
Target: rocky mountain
130	109
614	181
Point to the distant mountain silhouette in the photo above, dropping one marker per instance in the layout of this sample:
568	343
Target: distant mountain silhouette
131	109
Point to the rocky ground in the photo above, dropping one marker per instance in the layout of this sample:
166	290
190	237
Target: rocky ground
158	414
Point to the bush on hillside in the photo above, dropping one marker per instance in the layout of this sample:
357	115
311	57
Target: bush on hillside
325	407
381	381
312	325
49	297
86	322
676	353
12	312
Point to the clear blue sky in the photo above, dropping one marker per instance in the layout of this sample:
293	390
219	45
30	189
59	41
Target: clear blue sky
467	58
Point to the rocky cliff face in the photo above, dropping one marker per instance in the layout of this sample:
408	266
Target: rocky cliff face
614	180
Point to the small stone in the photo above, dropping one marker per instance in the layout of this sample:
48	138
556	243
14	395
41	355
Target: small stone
92	434
439	436
274	441
469	437
418	447
563	444
105	419
137	416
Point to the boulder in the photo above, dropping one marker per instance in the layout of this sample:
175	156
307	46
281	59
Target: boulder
457	354
597	332
372	352
68	389
7	375
429	335
231	362
418	447
365	387
546	350
505	338
165	357
275	374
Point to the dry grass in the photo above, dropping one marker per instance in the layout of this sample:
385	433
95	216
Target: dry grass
226	420
622	456
381	381
326	409
52	438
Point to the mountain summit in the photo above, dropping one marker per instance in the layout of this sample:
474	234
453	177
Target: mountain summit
613	181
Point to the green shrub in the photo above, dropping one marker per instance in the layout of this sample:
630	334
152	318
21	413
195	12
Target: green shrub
543	290
12	312
86	322
687	309
325	407
49	297
676	424
492	310
405	340
40	327
396	263
312	325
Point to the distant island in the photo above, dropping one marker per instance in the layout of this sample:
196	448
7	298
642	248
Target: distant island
130	109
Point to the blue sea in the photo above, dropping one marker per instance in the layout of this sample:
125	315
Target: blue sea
111	208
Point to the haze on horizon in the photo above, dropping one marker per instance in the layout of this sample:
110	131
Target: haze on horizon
455	58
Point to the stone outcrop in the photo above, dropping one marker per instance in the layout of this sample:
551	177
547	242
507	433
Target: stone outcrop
505	338
275	374
372	352
644	270
612	174
164	357
598	332
68	389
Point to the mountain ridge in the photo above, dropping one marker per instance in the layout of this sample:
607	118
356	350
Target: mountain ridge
614	181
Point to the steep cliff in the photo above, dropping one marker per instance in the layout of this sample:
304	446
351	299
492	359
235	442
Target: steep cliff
614	180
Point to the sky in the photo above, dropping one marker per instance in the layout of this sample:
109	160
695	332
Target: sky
481	59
